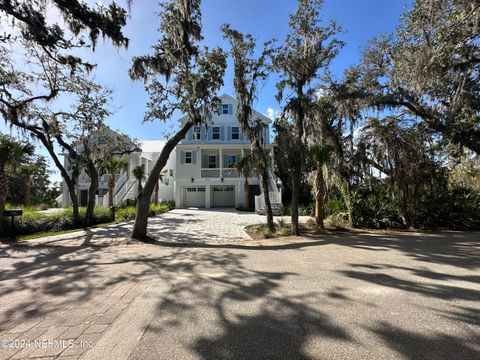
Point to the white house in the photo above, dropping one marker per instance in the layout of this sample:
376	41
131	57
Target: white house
125	184
201	172
206	173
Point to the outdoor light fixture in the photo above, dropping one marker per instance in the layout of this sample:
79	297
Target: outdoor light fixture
193	179
221	179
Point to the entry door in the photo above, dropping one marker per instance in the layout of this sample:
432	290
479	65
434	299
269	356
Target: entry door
223	196
195	196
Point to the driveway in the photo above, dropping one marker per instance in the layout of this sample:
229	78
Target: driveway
176	226
333	296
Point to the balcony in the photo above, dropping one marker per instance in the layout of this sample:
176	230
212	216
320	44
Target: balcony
219	173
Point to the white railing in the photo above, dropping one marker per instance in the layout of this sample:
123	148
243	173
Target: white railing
230	173
219	172
210	173
119	182
275	200
124	191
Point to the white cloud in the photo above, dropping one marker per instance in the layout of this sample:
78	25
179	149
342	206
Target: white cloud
272	113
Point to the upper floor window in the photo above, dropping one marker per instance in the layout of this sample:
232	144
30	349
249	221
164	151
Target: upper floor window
196	133
225	109
216	133
188	157
235	133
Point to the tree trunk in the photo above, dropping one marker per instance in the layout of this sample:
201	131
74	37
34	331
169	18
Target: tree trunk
111	186
157	188
319	195
295	201
246	194
3	189
28	192
70	180
266	196
74	199
92	190
143	200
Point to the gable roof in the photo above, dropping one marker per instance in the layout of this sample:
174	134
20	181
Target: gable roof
152	146
262	117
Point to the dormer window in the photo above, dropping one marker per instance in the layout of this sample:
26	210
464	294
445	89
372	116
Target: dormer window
216	133
196	133
235	133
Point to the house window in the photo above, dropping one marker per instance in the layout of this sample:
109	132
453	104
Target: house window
212	161
216	133
225	109
235	133
171	172
230	161
188	157
196	133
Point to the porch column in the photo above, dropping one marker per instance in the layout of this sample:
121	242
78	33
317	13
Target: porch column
221	162
207	196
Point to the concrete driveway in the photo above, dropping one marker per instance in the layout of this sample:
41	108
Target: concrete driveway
337	296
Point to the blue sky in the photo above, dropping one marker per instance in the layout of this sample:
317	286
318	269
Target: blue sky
265	19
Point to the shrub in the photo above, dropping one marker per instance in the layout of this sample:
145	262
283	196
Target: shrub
125	214
457	209
374	207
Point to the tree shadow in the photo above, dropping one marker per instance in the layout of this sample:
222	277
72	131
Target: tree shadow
412	345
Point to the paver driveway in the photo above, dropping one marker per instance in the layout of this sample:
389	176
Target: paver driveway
177	226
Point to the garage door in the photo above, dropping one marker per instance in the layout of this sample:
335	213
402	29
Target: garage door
223	196
195	197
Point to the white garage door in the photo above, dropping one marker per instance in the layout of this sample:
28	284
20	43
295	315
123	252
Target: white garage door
223	196
195	196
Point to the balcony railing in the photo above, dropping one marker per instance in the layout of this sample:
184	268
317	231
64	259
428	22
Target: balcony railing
217	173
230	173
210	173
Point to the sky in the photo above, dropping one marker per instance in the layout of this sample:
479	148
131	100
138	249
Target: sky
360	20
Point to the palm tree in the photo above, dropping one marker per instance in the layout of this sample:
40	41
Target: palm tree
114	166
321	155
11	152
28	171
138	173
157	186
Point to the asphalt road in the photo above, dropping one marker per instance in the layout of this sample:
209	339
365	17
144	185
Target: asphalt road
339	296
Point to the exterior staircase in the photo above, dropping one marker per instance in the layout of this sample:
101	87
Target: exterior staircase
274	194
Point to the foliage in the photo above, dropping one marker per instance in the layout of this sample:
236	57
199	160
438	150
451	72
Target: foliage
179	76
249	70
306	53
12	153
429	68
128	213
34	221
33	173
30	18
451	208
